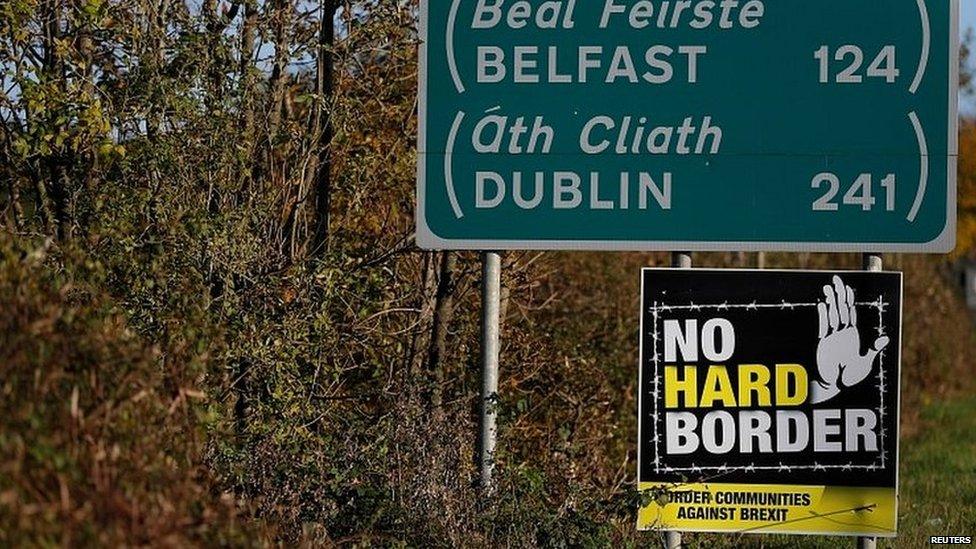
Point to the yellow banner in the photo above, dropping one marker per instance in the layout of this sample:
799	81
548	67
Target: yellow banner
770	509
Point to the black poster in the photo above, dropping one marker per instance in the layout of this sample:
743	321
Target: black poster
770	378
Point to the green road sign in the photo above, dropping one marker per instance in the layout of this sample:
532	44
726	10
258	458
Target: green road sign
688	124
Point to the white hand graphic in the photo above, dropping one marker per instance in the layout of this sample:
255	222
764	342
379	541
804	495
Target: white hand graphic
839	358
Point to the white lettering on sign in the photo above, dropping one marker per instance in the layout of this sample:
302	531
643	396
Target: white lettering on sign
633	136
565	190
717	340
642	14
491	133
754	431
549	15
657	64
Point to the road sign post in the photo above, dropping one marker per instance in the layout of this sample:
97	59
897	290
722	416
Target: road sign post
491	270
679	260
872	263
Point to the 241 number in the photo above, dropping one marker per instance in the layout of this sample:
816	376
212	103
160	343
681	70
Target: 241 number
860	193
883	65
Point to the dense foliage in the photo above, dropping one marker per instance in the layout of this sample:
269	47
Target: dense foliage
215	328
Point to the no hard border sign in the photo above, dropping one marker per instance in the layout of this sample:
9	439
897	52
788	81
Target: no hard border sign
769	401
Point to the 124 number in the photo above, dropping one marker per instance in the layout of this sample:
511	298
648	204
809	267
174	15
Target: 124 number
883	65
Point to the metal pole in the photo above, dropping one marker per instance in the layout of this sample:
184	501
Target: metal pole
679	260
871	262
867	543
491	274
